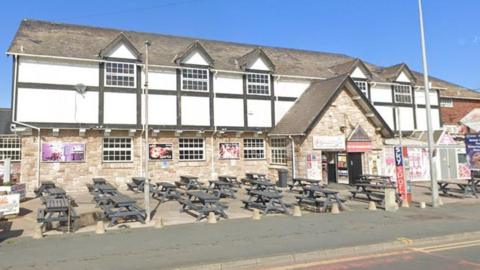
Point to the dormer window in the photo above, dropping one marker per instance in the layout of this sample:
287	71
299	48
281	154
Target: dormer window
195	79
258	84
120	74
402	93
363	86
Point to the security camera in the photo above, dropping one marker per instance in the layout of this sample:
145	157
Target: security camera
13	127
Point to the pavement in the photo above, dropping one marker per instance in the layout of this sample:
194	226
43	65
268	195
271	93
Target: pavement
244	243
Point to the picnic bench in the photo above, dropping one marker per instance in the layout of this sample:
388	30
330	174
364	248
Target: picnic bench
225	189
373	192
189	182
254	175
261	185
99	180
165	191
467	188
57	210
102	192
203	204
302	182
138	184
375	179
44	185
121	207
266	201
230	179
319	197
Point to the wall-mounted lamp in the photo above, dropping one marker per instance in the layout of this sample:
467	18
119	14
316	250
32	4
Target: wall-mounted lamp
107	132
81	132
55	132
178	133
132	132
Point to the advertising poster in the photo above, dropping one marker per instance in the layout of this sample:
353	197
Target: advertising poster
229	151
10	204
63	152
389	169
160	151
472	145
418	158
401	181
314	166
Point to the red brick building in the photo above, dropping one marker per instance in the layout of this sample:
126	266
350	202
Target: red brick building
456	103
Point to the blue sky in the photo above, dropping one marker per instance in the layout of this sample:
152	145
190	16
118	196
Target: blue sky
378	31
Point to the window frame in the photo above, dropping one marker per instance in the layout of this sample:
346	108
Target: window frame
196	79
400	94
276	150
191	149
444	104
117	149
366	87
13	152
269	83
252	148
121	74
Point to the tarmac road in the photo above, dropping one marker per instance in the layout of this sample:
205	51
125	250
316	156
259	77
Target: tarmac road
234	240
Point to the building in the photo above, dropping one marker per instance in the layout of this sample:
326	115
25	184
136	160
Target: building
214	107
10	146
455	104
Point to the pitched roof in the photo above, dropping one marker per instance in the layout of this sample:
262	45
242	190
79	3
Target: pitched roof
75	41
5	121
121	38
195	46
391	73
253	55
313	103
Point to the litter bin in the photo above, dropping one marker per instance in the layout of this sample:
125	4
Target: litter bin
282	177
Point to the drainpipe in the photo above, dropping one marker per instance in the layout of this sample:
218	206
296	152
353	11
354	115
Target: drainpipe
294	170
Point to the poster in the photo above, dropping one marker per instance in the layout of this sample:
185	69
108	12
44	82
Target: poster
389	168
63	152
229	151
401	181
314	166
160	151
472	145
10	204
419	166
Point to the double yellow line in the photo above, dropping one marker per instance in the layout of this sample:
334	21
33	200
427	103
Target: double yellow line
449	246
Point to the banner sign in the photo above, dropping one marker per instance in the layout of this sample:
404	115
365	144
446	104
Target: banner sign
359	147
160	151
329	142
401	181
229	151
472	145
10	204
314	166
63	152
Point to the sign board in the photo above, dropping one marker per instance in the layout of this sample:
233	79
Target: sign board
472	145
359	147
63	152
160	151
229	151
314	166
10	204
399	169
329	142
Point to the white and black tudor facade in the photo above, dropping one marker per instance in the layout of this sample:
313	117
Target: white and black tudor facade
84	85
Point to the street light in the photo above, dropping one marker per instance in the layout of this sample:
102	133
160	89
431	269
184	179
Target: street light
145	174
433	177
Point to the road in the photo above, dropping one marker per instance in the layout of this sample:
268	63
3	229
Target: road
235	240
460	255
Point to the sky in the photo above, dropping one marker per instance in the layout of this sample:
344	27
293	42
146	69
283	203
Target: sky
382	32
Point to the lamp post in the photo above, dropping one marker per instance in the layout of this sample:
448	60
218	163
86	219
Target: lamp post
147	180
433	177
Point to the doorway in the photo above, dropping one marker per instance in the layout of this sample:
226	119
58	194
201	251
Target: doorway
354	166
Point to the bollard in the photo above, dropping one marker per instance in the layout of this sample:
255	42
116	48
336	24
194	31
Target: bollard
390	203
334	209
256	214
423	205
100	229
372	206
297	212
440	201
158	222
404	204
37	232
212	219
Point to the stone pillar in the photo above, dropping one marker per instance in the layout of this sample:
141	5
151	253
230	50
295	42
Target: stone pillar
390	203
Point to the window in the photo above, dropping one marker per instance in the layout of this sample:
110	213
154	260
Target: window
446	102
253	149
363	86
278	147
258	84
117	149
120	74
10	147
402	93
195	79
191	149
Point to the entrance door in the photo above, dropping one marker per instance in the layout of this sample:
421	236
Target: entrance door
448	163
354	166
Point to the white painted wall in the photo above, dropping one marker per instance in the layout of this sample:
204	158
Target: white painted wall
406	119
228	112
281	108
259	113
420	97
402	77
161	79
387	114
57	72
258	64
162	109
228	83
422	119
56	106
120	108
122	51
381	93
195	111
357	73
195	58
290	88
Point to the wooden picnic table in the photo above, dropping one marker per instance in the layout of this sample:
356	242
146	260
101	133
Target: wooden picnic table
189	182
468	187
99	180
165	191
224	189
44	185
376	191
266	201
57	210
374	178
261	185
315	194
301	182
122	207
254	175
203	203
230	179
105	188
